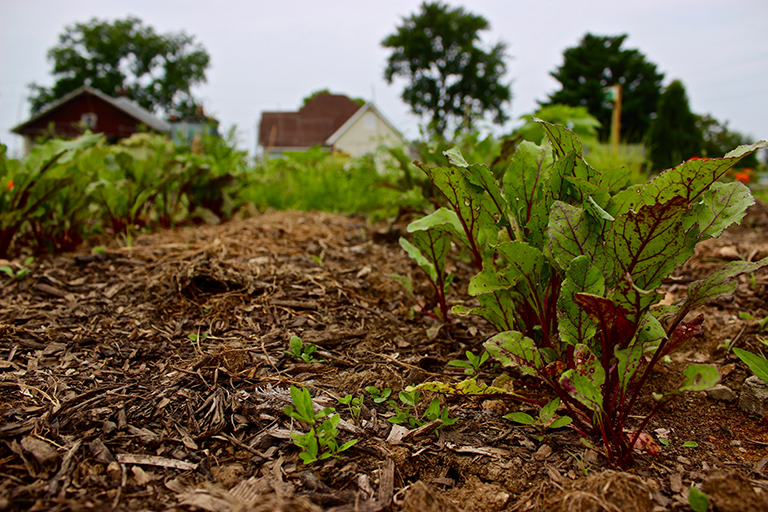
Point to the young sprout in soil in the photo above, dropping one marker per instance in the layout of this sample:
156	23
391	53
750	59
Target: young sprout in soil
473	363
18	274
353	404
378	396
410	416
546	419
301	351
320	442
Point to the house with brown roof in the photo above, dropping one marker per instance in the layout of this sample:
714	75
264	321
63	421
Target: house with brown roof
89	108
331	121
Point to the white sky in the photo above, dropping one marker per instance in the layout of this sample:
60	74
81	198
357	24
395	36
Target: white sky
268	55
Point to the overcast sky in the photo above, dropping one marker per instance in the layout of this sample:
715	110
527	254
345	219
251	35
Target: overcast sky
268	55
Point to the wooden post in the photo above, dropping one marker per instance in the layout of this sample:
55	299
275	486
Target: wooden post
616	118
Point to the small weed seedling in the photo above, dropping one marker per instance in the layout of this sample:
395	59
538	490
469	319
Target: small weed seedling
18	274
472	364
196	339
301	351
545	421
320	442
410	416
353	404
378	396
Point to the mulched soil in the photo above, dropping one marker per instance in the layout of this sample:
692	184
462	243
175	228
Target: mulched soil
107	403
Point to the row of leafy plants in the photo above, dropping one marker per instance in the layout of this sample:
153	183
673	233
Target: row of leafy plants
569	264
66	191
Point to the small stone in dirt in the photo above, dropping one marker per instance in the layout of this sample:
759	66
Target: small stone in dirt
754	396
723	393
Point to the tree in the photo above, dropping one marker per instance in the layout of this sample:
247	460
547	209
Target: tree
718	140
599	62
315	94
155	70
674	136
452	79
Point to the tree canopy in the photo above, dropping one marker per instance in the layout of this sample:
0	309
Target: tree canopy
155	70
452	79
719	140
599	62
674	135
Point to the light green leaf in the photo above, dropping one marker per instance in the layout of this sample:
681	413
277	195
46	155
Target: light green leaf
574	323
758	365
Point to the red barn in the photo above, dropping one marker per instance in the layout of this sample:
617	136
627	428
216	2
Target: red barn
89	108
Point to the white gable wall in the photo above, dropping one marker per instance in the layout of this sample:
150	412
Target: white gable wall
365	134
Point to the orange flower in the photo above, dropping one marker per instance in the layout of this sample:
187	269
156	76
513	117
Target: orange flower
742	177
10	185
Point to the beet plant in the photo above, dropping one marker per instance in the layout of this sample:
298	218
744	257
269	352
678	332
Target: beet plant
570	260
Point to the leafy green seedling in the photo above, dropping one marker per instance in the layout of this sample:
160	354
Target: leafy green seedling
545	421
301	351
196	339
698	501
756	363
410	417
472	364
18	274
353	404
378	396
320	442
690	444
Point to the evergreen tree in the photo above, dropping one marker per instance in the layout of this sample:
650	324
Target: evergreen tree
599	62
674	135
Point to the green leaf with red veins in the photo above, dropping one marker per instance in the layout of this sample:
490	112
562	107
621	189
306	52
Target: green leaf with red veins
630	361
499	308
721	283
467	200
722	205
572	233
587	365
682	333
646	247
444	218
563	140
524	191
582	389
512	348
434	244
688	180
519	261
574	323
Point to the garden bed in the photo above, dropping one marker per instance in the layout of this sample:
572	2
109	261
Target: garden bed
108	403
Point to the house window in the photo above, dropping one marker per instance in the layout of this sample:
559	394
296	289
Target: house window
88	120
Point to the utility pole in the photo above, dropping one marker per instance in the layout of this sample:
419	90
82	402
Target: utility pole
615	92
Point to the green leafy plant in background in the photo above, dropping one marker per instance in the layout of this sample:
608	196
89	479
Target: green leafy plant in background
354	404
21	273
320	442
299	350
28	184
544	421
472	364
569	259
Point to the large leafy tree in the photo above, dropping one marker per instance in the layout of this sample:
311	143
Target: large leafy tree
452	79
599	62
155	70
674	135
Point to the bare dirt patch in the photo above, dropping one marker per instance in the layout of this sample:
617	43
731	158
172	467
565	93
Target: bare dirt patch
106	402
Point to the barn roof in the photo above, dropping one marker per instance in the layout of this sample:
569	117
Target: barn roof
123	104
